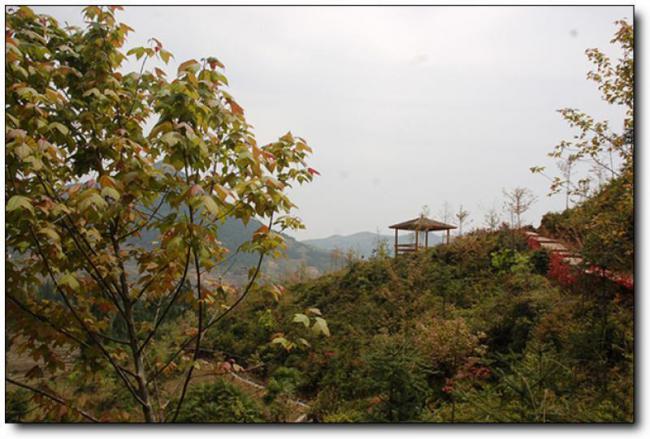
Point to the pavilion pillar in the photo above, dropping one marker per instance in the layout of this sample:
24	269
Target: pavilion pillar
447	236
396	242
426	239
417	234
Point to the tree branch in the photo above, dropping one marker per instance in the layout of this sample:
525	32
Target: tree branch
53	398
145	223
217	318
169	305
197	267
79	320
45	320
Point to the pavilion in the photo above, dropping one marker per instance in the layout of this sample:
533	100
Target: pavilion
417	225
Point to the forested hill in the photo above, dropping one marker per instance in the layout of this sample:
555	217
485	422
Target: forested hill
473	331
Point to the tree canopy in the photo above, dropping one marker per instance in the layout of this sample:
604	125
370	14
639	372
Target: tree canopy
92	152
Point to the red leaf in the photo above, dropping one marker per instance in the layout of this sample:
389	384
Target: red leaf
195	189
214	63
235	107
263	230
104	307
312	171
158	45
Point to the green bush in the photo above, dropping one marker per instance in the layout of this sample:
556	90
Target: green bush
219	402
540	261
17	405
397	379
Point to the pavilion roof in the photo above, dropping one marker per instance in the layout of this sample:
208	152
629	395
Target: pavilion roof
422	223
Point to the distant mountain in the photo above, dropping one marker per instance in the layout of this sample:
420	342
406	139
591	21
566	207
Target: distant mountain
362	243
298	260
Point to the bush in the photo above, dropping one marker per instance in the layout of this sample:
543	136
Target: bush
220	402
540	261
398	383
17	405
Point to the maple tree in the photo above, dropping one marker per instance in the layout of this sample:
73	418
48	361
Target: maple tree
92	153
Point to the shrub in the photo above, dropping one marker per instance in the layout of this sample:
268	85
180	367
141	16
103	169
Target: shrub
219	402
398	386
17	405
540	261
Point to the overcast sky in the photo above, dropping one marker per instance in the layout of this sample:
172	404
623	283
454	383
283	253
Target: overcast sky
403	106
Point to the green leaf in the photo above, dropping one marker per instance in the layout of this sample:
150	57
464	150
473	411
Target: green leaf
287	137
286	344
69	280
110	192
23	150
95	92
301	318
19	201
165	55
191	66
175	243
320	327
171	138
50	233
161	128
94	199
60	127
137	51
210	204
314	311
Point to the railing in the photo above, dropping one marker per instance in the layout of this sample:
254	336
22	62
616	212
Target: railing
407	248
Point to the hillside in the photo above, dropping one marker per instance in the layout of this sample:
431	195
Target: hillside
468	332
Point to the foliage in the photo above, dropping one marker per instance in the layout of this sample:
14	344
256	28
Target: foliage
510	260
396	377
444	335
92	153
603	223
17	405
470	331
540	262
601	226
219	402
595	141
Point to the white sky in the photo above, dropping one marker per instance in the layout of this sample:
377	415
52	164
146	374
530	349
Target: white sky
403	106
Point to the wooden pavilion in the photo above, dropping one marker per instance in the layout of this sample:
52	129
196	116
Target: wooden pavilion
417	225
